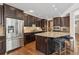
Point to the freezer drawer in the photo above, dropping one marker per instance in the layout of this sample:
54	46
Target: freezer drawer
12	44
8	45
15	44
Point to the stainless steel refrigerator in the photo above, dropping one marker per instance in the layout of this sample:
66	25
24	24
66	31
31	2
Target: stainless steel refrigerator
14	33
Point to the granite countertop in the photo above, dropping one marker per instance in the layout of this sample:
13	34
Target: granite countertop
53	34
32	31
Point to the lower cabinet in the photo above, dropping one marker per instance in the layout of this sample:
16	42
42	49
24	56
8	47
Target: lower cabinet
2	46
44	44
28	37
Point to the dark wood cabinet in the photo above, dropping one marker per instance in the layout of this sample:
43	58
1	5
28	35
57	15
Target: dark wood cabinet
57	21
29	20
12	12
2	45
44	44
28	37
9	11
65	21
19	14
44	24
25	20
38	22
61	21
1	14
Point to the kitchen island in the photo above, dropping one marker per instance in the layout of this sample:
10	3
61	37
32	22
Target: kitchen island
44	41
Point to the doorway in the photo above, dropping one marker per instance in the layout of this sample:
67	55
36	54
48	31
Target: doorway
77	30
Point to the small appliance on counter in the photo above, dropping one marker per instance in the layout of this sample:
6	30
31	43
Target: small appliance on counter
65	29
56	28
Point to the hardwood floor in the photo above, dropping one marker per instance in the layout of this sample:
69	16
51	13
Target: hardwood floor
77	39
28	49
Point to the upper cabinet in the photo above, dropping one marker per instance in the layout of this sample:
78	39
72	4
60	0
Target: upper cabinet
19	14
38	22
29	20
1	14
9	11
25	20
61	21
44	24
12	12
66	21
57	21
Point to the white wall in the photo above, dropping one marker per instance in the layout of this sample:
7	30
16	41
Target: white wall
77	27
72	10
72	28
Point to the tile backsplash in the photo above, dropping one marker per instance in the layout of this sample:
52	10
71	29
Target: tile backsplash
32	29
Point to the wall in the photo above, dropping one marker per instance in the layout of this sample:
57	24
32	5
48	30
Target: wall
32	29
72	29
72	10
77	27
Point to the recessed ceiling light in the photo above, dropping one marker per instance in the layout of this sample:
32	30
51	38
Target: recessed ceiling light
53	5
31	11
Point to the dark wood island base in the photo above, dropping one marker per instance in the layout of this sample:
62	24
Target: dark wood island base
44	45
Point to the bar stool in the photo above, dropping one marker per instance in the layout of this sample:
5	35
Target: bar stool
59	45
69	44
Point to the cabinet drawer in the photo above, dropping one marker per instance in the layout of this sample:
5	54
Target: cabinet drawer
1	43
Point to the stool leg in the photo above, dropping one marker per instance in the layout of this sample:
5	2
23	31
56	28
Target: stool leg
60	50
65	49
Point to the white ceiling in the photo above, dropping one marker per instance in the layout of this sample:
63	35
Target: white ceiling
43	10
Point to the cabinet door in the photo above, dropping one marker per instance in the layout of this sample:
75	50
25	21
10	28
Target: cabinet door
65	21
41	44
1	14
44	43
25	20
57	21
0	46
32	19
29	20
9	11
19	14
38	42
38	23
